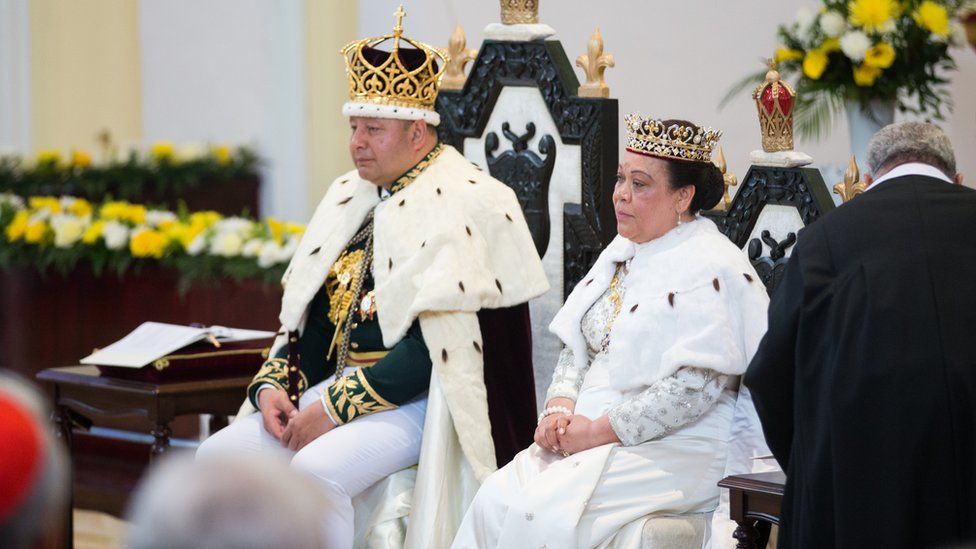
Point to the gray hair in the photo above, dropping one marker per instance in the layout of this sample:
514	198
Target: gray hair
46	501
235	502
897	144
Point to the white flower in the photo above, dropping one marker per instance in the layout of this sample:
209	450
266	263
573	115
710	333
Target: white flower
191	151
238	225
154	218
227	244
888	26
68	229
957	33
116	235
13	200
832	24
252	247
197	245
269	254
805	18
854	45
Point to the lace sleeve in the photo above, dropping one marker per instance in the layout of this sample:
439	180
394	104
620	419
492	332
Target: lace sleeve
566	378
667	405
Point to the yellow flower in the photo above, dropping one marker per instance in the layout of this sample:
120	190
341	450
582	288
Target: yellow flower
932	16
222	154
294	228
80	207
136	213
814	64
148	243
35	232
93	232
49	203
113	210
871	15
123	211
18	226
204	219
830	45
880	56
162	151
81	159
786	54
49	158
277	229
865	75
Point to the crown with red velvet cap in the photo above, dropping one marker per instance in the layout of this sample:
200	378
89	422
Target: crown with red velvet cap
775	100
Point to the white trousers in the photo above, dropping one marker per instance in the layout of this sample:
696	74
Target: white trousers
346	460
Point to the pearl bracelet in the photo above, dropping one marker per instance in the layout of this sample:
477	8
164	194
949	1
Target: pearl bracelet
554	410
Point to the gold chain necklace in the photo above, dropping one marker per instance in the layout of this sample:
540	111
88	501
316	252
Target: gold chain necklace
616	298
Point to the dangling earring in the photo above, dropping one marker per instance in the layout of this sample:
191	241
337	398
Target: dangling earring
678	226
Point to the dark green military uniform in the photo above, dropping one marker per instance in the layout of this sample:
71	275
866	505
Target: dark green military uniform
383	378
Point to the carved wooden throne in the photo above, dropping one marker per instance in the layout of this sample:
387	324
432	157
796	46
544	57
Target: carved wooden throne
519	118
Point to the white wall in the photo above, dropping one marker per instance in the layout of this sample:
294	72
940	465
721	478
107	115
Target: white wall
15	124
230	71
676	59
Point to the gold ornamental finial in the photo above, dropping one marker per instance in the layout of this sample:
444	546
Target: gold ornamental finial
459	55
594	62
520	12
729	179
852	184
398	28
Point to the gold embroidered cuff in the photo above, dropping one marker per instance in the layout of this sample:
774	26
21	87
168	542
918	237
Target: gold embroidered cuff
274	372
352	396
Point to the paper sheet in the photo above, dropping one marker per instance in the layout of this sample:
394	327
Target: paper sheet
152	340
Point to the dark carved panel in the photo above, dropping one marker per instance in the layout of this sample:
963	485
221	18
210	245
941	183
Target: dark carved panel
588	122
528	175
801	188
770	268
581	246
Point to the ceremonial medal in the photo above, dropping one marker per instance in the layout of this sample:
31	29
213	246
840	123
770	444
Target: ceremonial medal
367	306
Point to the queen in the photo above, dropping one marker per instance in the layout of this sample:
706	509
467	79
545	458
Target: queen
641	403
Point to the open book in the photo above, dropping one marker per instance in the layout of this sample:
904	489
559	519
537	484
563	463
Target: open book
153	340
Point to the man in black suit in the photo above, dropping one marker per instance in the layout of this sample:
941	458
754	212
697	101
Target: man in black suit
865	382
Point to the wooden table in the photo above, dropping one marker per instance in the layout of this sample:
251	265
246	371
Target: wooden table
82	395
754	504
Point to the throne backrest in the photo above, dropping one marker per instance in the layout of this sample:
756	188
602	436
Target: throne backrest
519	118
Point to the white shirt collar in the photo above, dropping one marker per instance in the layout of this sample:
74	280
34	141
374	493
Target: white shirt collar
911	168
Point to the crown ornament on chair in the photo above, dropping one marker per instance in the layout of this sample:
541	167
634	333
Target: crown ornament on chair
401	83
775	100
678	141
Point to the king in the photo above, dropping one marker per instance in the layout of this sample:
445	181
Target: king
404	335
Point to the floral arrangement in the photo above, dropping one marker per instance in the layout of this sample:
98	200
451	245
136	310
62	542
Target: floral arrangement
60	232
163	170
866	50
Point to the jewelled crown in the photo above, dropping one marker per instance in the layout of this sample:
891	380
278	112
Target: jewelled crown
775	100
678	141
400	83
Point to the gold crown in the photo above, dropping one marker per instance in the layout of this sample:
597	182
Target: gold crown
775	100
515	12
679	141
394	85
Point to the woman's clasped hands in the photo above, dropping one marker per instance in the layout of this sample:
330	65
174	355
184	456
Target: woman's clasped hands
565	433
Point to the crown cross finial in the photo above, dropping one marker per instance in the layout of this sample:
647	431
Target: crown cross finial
594	62
398	28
